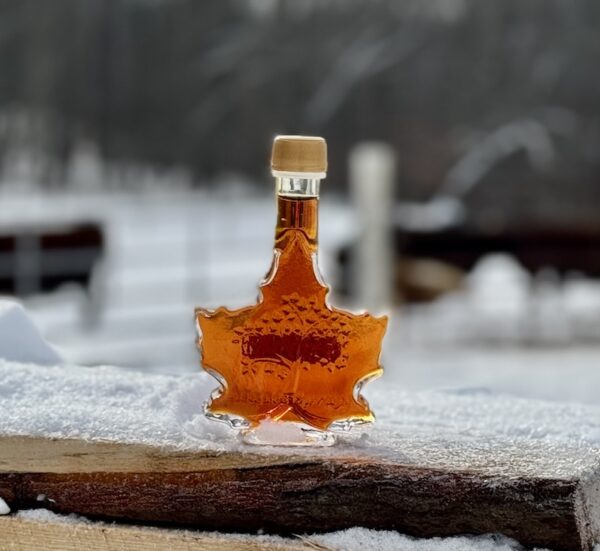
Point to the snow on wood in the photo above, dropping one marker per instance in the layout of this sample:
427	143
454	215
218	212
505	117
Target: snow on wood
104	442
26	529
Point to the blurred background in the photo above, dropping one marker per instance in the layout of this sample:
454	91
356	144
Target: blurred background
463	195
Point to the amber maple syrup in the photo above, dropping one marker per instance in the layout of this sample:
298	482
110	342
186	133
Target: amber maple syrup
291	361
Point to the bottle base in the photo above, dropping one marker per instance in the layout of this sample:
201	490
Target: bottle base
286	433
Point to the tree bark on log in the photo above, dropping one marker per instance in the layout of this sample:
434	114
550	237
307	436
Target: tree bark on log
291	494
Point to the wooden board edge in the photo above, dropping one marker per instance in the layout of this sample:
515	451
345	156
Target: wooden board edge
25	454
587	510
32	535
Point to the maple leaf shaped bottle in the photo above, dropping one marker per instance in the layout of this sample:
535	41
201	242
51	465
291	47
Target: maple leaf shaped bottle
291	367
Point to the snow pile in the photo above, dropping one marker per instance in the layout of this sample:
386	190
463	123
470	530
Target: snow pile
20	341
354	539
4	508
501	303
361	539
493	434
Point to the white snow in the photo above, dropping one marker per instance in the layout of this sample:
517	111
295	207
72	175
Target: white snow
44	515
4	508
20	341
354	539
493	434
361	539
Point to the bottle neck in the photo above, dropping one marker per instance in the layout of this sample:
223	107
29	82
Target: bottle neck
295	186
297	209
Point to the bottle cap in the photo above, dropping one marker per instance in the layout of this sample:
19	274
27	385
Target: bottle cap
299	154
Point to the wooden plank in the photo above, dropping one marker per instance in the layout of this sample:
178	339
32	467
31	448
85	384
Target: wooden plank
22	454
18	534
292	493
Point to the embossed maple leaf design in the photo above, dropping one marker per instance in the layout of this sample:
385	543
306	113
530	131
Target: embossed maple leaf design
291	356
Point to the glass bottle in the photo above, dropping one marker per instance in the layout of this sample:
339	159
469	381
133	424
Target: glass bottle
291	367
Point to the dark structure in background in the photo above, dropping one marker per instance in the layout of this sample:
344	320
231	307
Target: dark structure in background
41	259
448	253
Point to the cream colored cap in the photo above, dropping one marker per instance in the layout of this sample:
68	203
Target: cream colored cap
299	154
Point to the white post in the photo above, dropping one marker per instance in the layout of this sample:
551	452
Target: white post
372	171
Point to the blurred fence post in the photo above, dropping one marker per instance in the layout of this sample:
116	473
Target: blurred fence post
372	172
